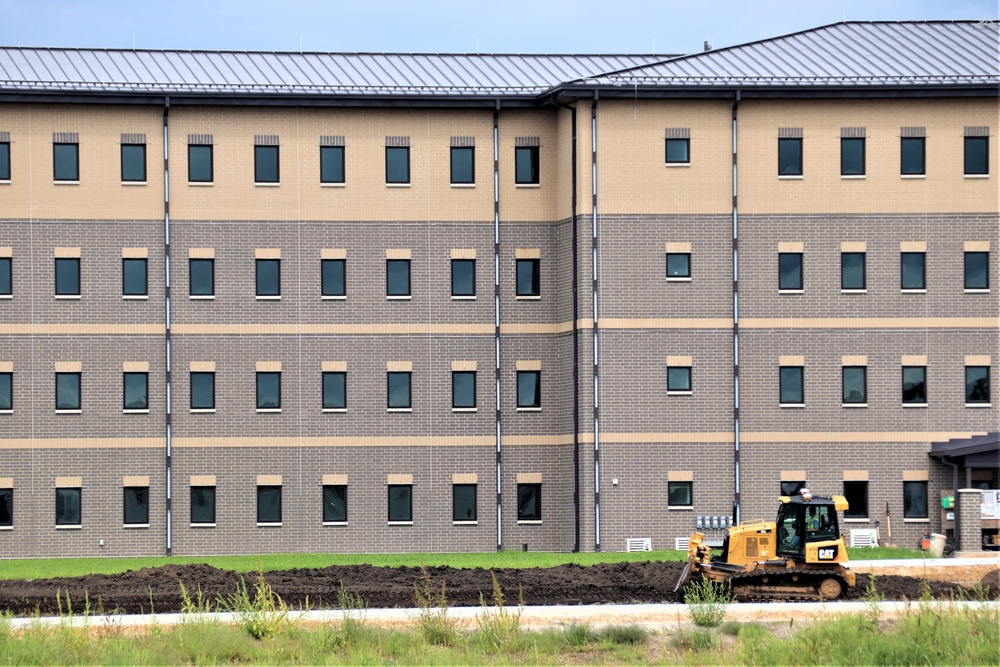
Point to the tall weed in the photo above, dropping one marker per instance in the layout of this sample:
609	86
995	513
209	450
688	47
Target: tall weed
707	602
435	625
499	627
263	615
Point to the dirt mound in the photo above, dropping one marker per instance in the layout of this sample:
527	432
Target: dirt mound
991	584
158	589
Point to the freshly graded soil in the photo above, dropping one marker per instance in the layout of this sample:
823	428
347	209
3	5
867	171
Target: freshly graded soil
158	589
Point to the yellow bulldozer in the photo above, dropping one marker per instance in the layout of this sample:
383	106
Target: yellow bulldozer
801	555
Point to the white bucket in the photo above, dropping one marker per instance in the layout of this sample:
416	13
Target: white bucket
937	545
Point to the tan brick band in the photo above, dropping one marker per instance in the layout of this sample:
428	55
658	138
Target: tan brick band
267	253
463	253
915	476
527	253
913	360
268	480
409	328
529	478
135	366
855	436
399	479
68	482
854	246
334	480
398	253
135	480
680	361
82	443
83	329
791	360
65	252
528	365
464	365
855	360
791	246
6	482
399	366
201	253
268	366
6	366
6	251
913	246
978	360
855	475
467	478
666	323
333	253
868	323
335	366
338	441
793	475
977	246
68	367
202	366
135	253
680	475
202	480
677	247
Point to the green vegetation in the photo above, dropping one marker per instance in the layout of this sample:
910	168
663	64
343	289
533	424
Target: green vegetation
707	602
45	568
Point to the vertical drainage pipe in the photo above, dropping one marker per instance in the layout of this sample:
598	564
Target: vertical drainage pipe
593	247
576	349
736	325
166	334
496	315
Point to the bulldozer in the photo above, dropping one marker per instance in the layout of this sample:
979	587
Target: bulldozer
801	555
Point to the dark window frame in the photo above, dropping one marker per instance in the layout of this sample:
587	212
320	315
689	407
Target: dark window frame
535	277
201	262
265	376
7	507
455	375
398	375
532	154
844	256
212	496
135	261
262	153
7	378
535	488
341	496
408	516
852	511
342	376
977	396
986	269
125	378
390	290
397	181
266	489
801	272
471	292
123	151
332	263
671	486
687	259
678	390
343	164
903	271
56	145
801	381
909	511
529	403
211	162
852	142
61	495
270	291
472	167
912	142
785	487
6	276
142	505
455	504
5	174
844	398
68	262
79	390
191	379
969	141
789	168
685	141
913	390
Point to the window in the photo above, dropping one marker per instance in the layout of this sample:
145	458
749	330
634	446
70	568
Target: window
268	391
136	391
134	280
68	276
463	502
528	279
202	391
135	505
915	500
977	152
335	503
852	270
265	164
463	165
331	164
67	391
6	391
268	504
463	390
6	507
463	277
679	494
6	276
792	488
529	502
4	161
912	270
333	277
977	384
398	390
400	502
526	165
397	164
912	156
855	385
397	277
790	157
977	275
268	277
134	163
201	277
852	156
203	504
791	385
679	379
678	151
856	494
915	385
68	507
529	390
200	168
790	271
66	162
678	265
334	390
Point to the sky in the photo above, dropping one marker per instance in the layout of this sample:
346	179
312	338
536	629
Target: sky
445	26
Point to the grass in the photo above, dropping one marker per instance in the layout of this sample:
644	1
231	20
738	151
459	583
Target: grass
45	568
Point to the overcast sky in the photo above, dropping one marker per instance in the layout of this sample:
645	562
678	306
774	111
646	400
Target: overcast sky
466	26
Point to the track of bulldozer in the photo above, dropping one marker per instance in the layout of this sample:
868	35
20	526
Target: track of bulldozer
789	584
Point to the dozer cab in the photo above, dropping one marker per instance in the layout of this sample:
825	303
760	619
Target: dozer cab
801	555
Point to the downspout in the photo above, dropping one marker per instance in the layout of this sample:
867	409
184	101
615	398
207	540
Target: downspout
166	292
736	323
593	246
496	311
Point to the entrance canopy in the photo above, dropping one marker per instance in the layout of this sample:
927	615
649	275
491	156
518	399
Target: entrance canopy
979	451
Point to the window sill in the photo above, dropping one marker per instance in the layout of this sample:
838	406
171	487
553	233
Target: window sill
399	409
76	527
397	185
133	182
528	297
465	523
7	527
202	297
914	405
334	523
681	508
400	523
979	405
854	291
203	525
333	297
914	290
276	297
854	405
398	297
529	522
913	176
678	279
269	410
67	297
266	185
527	185
463	185
6	296
136	412
463	298
676	164
269	525
792	405
5	181
334	409
790	177
78	182
529	409
977	175
333	185
865	520
128	526
977	290
791	291
202	411
6	412
679	393
135	297
201	184
69	412
927	520
853	177
465	409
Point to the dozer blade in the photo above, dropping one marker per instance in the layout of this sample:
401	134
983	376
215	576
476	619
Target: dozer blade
685	575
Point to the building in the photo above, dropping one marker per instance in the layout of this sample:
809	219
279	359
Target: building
310	302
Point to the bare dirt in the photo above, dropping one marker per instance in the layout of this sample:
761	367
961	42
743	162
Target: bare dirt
159	589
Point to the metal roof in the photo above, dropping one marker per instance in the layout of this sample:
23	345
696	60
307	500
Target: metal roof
843	54
148	71
988	443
